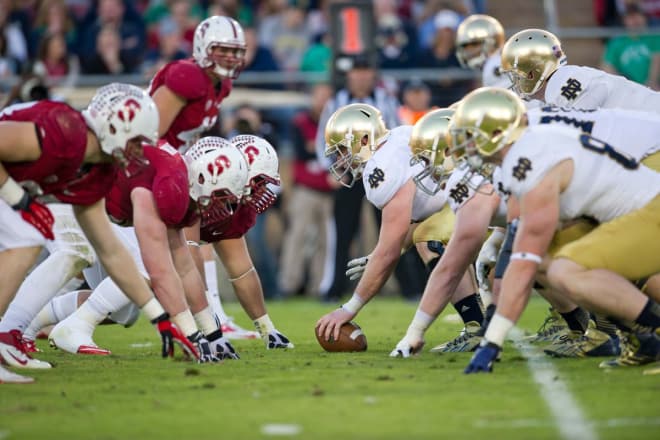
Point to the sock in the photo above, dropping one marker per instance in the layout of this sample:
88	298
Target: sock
39	287
206	321
212	294
470	309
650	316
488	316
73	284
577	319
56	310
264	326
107	298
604	325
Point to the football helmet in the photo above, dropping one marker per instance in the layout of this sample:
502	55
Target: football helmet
352	135
263	166
428	143
477	38
224	32
530	57
487	120
118	113
217	175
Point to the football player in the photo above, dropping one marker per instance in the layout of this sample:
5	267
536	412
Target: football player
479	40
560	174
363	147
158	203
536	63
62	154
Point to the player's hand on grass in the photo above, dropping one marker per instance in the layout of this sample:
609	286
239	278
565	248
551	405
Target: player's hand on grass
355	268
221	346
482	361
408	346
330	324
170	336
275	339
203	347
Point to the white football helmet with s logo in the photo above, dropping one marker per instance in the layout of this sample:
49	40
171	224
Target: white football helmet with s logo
264	170
352	135
120	112
217	175
224	32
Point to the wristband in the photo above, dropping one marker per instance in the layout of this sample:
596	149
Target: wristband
12	193
354	304
497	329
153	310
241	276
527	256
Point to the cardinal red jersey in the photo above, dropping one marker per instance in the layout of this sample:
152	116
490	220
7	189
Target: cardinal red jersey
59	172
190	82
240	222
166	177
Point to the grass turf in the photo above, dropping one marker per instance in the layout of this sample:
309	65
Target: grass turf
135	394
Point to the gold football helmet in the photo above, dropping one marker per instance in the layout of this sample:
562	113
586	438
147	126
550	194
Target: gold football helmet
428	143
477	38
352	135
530	57
487	120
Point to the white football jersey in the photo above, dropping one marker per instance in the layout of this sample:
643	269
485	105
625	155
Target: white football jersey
635	132
463	184
389	169
604	186
588	88
491	75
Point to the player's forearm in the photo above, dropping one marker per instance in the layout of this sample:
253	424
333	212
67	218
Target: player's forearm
516	288
379	268
250	294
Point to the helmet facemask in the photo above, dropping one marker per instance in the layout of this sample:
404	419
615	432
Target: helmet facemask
344	162
258	195
432	178
217	208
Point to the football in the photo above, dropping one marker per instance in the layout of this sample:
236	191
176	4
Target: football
351	338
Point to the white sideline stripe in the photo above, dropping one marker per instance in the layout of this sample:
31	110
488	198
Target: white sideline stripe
567	414
621	422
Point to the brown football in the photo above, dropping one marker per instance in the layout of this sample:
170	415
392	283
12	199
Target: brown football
351	338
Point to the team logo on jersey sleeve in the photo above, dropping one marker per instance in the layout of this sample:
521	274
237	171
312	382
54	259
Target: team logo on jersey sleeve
459	193
571	89
376	177
524	166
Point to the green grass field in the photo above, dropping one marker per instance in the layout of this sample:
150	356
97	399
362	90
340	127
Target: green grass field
318	395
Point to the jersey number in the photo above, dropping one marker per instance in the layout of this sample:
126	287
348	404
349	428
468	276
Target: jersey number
600	147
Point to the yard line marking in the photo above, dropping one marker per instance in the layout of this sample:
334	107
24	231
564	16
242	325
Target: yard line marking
621	422
567	414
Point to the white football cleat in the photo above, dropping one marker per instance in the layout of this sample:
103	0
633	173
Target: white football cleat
7	376
231	330
12	352
74	335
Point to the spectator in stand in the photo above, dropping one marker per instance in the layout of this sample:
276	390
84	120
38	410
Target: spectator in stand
53	18
308	205
318	56
443	54
287	35
258	58
53	59
635	55
416	101
8	64
128	25
395	38
108	58
426	29
169	47
15	42
184	13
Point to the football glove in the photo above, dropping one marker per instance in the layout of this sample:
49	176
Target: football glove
171	335
36	214
206	354
356	267
408	346
483	358
221	347
275	339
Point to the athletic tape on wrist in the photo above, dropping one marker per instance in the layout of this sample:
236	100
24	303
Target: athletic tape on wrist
527	256
152	309
11	192
354	304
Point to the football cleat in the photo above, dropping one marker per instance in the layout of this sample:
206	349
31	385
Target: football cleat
468	340
74	335
7	376
552	329
12	352
275	340
231	330
636	349
593	343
